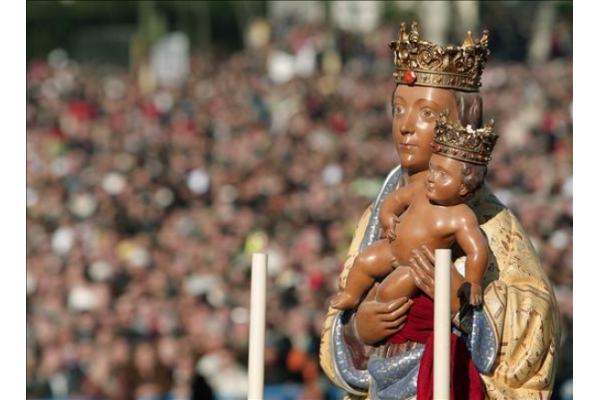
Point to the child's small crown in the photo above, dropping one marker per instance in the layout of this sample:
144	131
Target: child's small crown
464	143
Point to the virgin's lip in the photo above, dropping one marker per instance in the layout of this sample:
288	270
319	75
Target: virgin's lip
407	148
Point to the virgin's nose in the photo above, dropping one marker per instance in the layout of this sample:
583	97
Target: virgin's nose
407	125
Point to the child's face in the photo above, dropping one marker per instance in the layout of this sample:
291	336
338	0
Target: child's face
444	181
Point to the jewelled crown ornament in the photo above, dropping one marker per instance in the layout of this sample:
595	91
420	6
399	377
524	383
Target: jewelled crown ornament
422	63
464	143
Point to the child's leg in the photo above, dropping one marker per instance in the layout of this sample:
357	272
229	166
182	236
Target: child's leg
374	262
397	284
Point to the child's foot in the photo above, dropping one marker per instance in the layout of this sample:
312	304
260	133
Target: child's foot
343	301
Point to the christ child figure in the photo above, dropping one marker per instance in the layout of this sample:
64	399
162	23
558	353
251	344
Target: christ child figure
431	213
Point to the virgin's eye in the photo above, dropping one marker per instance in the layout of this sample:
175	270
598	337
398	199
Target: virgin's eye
397	109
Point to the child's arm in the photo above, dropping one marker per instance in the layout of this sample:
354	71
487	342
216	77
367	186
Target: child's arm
471	240
393	205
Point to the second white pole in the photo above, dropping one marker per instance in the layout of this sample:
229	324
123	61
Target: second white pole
442	325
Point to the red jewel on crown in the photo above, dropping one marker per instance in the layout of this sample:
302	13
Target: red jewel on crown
410	77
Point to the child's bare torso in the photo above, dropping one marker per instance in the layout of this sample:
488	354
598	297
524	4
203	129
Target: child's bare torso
424	223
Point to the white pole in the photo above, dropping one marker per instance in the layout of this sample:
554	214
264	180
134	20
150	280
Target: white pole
442	320
256	354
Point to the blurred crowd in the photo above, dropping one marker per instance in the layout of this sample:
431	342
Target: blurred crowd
144	209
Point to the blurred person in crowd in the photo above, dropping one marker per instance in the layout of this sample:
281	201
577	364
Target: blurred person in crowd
146	376
359	351
201	390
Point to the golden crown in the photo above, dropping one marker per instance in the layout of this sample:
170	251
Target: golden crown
422	63
464	144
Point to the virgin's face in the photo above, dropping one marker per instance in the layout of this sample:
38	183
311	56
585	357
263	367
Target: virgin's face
415	111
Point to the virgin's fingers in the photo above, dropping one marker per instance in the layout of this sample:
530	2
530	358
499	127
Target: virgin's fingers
418	280
416	270
397	316
398	304
404	308
394	328
422	280
394	309
395	324
421	262
425	250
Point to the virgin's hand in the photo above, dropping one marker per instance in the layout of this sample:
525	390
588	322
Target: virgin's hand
376	321
422	271
421	264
